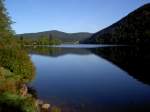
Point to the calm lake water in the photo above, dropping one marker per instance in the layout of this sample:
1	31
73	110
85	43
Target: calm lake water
89	78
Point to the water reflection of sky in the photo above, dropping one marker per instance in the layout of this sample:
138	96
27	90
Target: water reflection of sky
82	46
87	79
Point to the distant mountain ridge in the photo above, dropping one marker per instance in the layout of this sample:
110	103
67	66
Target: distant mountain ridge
64	37
132	29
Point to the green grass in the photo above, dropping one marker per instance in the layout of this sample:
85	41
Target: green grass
17	102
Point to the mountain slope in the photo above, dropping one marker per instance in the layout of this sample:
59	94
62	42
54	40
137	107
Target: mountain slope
64	37
132	29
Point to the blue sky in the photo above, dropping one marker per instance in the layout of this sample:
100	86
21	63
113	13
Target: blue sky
68	15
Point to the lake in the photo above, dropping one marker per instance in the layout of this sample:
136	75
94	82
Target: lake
93	78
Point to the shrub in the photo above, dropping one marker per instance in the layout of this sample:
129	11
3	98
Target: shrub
18	62
16	103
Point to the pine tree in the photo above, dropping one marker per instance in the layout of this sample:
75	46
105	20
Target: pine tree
5	25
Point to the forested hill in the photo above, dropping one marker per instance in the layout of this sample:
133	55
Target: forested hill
132	29
62	36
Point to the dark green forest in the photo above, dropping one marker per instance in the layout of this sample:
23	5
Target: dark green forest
132	29
53	37
42	40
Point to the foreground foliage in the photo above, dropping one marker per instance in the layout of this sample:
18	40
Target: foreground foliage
16	69
18	62
15	103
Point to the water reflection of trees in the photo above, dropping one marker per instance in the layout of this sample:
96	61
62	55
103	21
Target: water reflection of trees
134	59
56	51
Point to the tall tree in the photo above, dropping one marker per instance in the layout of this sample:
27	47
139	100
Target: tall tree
6	32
